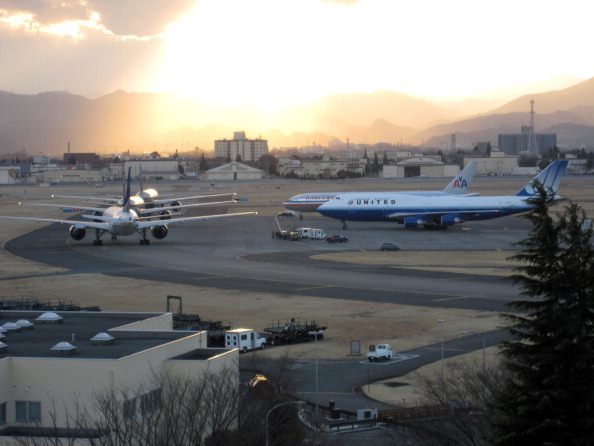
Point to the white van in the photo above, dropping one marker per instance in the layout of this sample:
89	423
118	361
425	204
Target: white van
244	339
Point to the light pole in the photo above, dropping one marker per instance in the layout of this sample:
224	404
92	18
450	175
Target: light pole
484	348
440	321
300	403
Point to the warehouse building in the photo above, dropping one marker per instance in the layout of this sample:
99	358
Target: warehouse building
52	364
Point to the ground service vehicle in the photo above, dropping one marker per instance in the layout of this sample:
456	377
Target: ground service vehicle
312	233
337	238
244	339
389	247
379	352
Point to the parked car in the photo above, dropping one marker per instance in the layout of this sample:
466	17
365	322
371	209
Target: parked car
337	238
287	213
388	246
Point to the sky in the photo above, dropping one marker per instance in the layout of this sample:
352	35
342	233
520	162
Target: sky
274	53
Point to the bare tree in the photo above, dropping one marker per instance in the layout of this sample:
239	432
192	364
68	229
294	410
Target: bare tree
168	410
457	411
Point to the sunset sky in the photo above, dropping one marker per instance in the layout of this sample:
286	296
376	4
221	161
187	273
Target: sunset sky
277	52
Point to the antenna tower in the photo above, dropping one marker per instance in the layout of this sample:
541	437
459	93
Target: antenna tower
532	147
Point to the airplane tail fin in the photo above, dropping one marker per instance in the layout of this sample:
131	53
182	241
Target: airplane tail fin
126	204
460	183
549	178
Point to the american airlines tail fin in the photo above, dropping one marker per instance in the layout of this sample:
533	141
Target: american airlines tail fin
460	183
549	178
126	204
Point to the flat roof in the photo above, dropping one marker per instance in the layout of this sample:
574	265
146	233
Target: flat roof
77	328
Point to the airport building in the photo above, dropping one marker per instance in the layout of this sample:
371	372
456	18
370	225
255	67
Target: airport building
516	143
325	168
497	164
418	166
240	146
234	171
54	364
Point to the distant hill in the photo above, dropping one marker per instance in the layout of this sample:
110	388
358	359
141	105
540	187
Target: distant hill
120	121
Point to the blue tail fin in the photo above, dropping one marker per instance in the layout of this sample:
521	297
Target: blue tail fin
126	204
549	178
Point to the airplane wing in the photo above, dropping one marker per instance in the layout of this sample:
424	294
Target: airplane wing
197	197
175	208
398	215
63	206
75	223
148	224
106	200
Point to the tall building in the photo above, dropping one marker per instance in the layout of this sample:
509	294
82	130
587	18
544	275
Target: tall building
246	149
515	143
528	141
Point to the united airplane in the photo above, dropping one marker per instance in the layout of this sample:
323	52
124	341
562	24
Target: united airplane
311	201
438	211
122	221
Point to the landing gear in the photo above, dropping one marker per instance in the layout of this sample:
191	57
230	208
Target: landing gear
344	225
144	240
98	234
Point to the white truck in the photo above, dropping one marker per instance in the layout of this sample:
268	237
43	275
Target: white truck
244	339
379	352
312	233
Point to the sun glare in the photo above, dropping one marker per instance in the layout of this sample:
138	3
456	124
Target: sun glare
230	52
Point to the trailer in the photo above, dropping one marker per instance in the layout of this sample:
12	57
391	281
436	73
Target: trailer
215	330
294	330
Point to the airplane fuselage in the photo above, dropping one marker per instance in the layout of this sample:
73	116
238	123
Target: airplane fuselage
121	221
418	209
308	202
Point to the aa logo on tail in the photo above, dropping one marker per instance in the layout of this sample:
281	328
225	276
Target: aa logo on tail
460	183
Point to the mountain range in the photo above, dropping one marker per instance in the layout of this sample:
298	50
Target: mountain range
47	123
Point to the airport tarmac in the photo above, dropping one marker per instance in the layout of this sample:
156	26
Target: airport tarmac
243	255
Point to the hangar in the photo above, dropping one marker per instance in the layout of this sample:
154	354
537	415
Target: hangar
234	171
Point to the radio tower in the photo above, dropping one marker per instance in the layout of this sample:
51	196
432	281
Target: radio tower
532	147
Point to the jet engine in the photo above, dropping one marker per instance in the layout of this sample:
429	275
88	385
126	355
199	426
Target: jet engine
77	233
159	231
95	220
412	222
165	215
175	203
450	220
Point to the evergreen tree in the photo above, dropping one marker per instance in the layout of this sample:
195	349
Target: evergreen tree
375	168
549	398
203	166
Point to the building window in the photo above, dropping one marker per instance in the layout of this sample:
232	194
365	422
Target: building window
28	411
129	408
150	401
3	413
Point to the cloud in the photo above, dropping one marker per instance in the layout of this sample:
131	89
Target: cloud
139	18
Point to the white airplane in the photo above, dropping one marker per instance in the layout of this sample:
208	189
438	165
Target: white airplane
122	221
311	201
438	211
